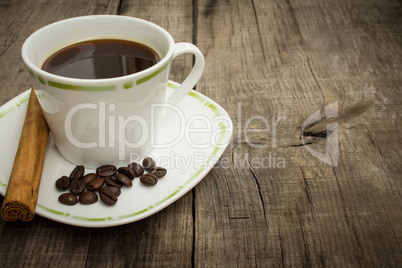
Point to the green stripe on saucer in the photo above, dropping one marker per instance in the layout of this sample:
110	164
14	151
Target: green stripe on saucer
173	85
5	111
88	219
50	210
134	214
196	96
166	198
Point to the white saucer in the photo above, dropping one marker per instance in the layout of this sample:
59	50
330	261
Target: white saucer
189	149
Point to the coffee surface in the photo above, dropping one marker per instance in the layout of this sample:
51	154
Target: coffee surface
103	58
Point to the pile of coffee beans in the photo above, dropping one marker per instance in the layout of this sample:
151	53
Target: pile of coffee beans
107	182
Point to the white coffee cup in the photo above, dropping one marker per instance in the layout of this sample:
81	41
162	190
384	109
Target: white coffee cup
106	121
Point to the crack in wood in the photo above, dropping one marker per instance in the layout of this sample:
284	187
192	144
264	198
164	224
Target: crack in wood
321	134
194	229
315	79
307	191
259	188
348	223
381	155
372	141
281	247
227	185
295	21
301	145
258	29
195	24
279	53
319	129
210	8
120	7
306	187
195	29
194	40
240	218
306	249
318	134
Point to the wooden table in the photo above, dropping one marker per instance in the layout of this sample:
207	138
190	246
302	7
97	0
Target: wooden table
312	176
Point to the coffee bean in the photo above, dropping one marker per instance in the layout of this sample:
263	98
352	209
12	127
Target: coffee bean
110	190
125	180
127	171
148	163
90	177
68	199
137	168
77	187
96	184
106	171
112	181
108	198
159	172
77	173
149	179
111	176
88	197
63	183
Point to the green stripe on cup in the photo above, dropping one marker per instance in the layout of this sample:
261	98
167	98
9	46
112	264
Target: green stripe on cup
128	85
152	75
81	88
42	80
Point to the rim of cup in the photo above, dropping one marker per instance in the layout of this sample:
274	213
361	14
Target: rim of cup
164	60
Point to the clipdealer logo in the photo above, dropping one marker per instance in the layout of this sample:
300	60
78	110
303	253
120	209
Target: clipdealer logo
330	156
123	132
268	128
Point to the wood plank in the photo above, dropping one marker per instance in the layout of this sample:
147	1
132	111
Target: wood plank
41	242
164	239
92	250
44	243
289	59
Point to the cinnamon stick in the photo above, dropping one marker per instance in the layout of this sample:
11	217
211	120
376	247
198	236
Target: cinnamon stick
23	187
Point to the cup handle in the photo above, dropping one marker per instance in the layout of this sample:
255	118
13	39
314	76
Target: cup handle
193	77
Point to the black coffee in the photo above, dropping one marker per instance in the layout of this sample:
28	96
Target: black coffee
103	58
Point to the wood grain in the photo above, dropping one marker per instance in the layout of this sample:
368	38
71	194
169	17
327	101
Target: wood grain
269	202
288	59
